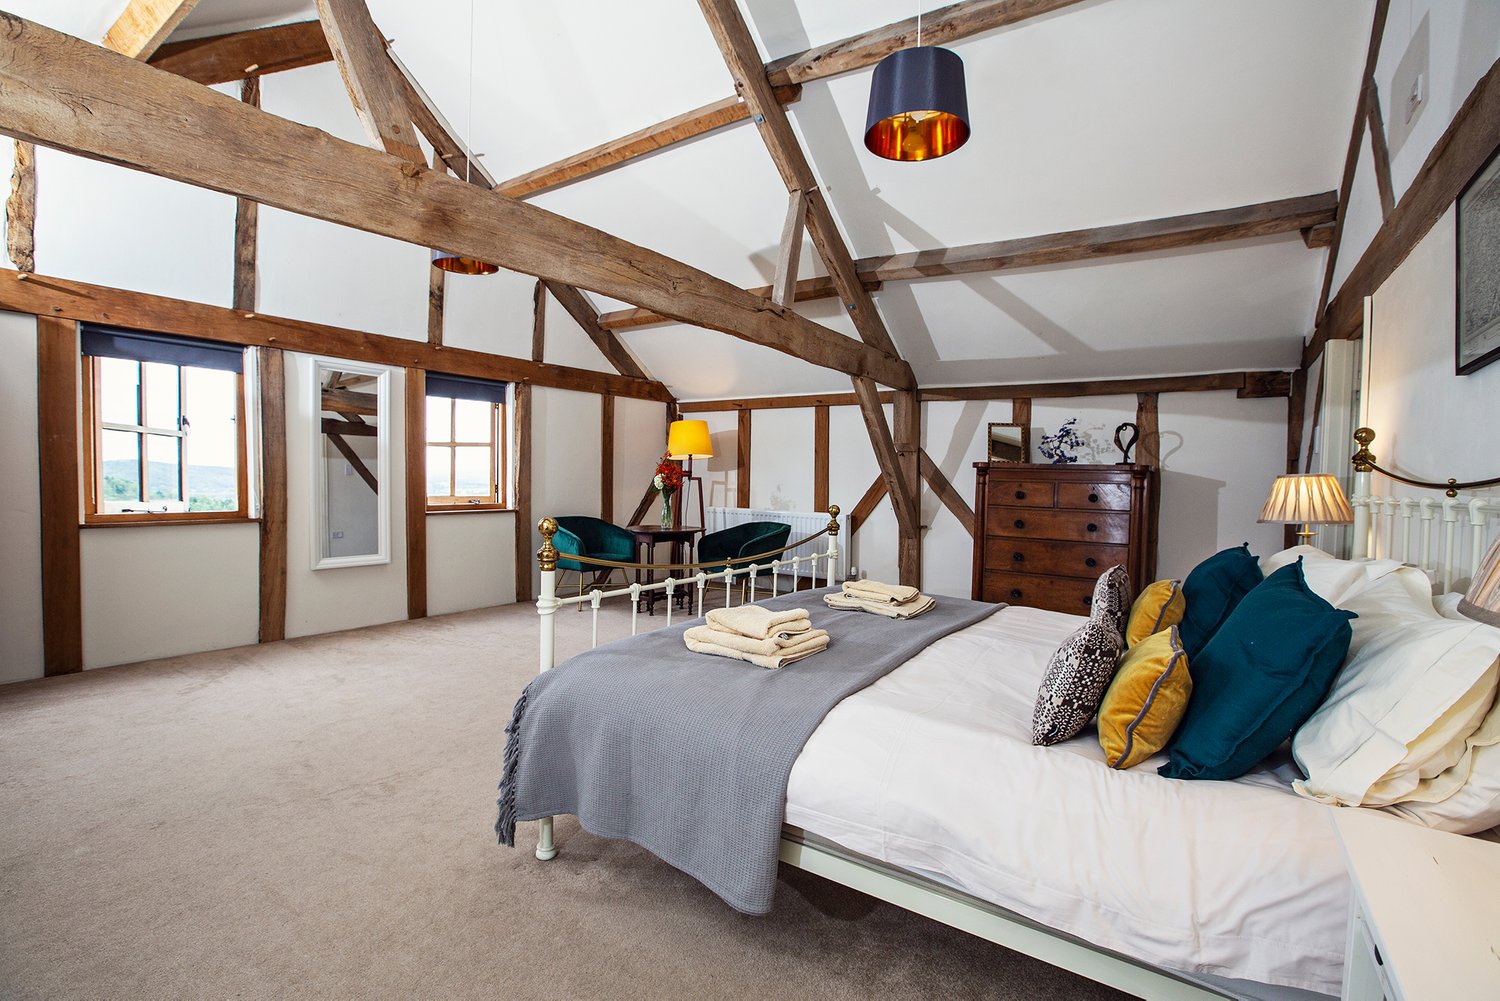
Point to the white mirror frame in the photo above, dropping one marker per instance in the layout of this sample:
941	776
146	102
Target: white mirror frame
320	467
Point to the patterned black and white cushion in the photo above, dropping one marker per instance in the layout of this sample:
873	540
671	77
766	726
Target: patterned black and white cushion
1112	599
1075	681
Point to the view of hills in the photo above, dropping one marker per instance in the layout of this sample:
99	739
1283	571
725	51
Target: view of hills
211	488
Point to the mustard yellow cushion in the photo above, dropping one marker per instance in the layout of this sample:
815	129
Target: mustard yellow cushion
1146	701
1159	607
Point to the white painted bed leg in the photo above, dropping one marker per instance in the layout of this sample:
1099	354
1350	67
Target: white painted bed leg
545	849
546	607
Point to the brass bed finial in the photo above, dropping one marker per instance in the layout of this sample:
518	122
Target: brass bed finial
546	557
1363	460
833	519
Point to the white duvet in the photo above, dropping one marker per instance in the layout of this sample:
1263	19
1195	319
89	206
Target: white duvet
932	768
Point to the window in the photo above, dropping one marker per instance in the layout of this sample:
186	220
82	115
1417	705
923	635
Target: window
165	421
466	437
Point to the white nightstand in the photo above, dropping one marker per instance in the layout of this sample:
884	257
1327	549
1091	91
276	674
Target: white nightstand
1425	918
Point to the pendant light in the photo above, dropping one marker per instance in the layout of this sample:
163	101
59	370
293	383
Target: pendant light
442	259
919	107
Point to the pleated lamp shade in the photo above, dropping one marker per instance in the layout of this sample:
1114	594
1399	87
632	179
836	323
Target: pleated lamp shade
1307	499
689	440
1482	601
462	265
919	106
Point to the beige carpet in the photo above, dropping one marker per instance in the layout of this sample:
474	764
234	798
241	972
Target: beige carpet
314	818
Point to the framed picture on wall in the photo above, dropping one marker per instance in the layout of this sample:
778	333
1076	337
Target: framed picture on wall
1479	270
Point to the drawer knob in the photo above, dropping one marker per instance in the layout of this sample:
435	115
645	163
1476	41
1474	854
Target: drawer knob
1020	495
1088	599
1015	592
1093	498
1018	557
1093	527
1090	562
1020	523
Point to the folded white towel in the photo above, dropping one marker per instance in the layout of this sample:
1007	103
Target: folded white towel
768	647
874	590
771	662
905	610
758	622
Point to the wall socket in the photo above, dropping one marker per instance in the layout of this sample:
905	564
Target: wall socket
1416	96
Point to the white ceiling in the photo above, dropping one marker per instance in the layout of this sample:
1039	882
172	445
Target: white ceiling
1108	111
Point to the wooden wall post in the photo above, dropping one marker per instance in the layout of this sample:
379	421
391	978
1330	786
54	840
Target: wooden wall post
1148	449
246	226
607	457
907	437
57	360
538	321
820	458
1296	405
20	210
416	493
521	425
742	462
271	364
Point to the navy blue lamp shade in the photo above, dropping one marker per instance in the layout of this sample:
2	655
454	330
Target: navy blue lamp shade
919	107
462	265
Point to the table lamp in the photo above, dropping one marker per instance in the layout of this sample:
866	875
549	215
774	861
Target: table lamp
1307	499
1482	601
686	441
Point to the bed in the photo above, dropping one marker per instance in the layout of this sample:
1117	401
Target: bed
922	788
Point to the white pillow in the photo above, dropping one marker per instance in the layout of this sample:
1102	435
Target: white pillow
1415	688
1464	799
1329	577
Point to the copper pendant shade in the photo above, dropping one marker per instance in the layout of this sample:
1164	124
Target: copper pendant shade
919	107
462	265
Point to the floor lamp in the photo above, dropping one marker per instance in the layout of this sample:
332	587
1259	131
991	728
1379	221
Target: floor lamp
686	441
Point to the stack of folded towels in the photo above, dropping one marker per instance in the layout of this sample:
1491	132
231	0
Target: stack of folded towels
894	601
756	634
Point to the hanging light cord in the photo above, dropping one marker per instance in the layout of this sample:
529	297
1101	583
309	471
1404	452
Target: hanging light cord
469	125
919	25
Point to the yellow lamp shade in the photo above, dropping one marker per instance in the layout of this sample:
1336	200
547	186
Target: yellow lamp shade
1309	498
689	440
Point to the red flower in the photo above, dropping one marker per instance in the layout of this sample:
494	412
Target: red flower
668	474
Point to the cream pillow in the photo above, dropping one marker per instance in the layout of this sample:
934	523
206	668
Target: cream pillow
1329	577
1464	799
1415	688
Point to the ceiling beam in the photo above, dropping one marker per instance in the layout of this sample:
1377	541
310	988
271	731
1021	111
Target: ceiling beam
238	54
807	290
144	25
642	142
369	76
939	27
431	123
608	343
61	92
1174	232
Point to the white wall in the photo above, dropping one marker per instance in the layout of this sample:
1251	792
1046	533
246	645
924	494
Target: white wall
20	503
470	560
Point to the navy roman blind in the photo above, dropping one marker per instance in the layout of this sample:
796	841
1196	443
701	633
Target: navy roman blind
463	387
136	345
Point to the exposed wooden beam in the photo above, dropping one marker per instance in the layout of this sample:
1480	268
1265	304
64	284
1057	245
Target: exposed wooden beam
538	321
347	451
144	25
939	27
783	288
743	60
1266	385
1020	413
359	49
1465	146
271	380
1379	150
20	210
437	290
58	448
1351	156
50	84
906	435
1286	215
431	123
521	404
807	290
885	455
246	227
944	489
1296	406
608	343
348	401
775	403
416	493
820	457
47	296
742	461
1148	446
1318	237
334	426
230	57
867	504
642	142
607	457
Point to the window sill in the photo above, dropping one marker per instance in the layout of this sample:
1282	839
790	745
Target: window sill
138	520
469	509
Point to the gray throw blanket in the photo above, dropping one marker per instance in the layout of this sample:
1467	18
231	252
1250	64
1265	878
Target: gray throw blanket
688	755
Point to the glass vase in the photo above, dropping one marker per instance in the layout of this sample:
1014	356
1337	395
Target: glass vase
666	509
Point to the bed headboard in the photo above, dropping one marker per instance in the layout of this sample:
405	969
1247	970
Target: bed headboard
1444	528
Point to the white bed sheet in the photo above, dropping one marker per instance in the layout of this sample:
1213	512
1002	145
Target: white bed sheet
932	769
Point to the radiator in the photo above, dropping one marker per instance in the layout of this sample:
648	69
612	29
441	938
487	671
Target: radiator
804	523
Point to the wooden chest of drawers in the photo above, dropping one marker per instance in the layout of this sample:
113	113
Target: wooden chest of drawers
1044	533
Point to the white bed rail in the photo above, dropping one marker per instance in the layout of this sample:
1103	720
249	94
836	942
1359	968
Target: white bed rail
749	571
1437	530
802	523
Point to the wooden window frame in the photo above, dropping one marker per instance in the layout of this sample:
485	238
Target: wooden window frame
499	462
93	464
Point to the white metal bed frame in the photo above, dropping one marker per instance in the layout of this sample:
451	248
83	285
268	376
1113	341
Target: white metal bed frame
907	890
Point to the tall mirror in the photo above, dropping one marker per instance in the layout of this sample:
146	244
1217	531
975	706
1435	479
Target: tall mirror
1009	442
351	464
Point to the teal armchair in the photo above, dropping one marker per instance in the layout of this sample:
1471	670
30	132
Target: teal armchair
580	535
750	539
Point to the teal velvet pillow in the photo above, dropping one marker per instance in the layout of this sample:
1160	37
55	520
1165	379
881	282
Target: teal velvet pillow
1212	591
1260	677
